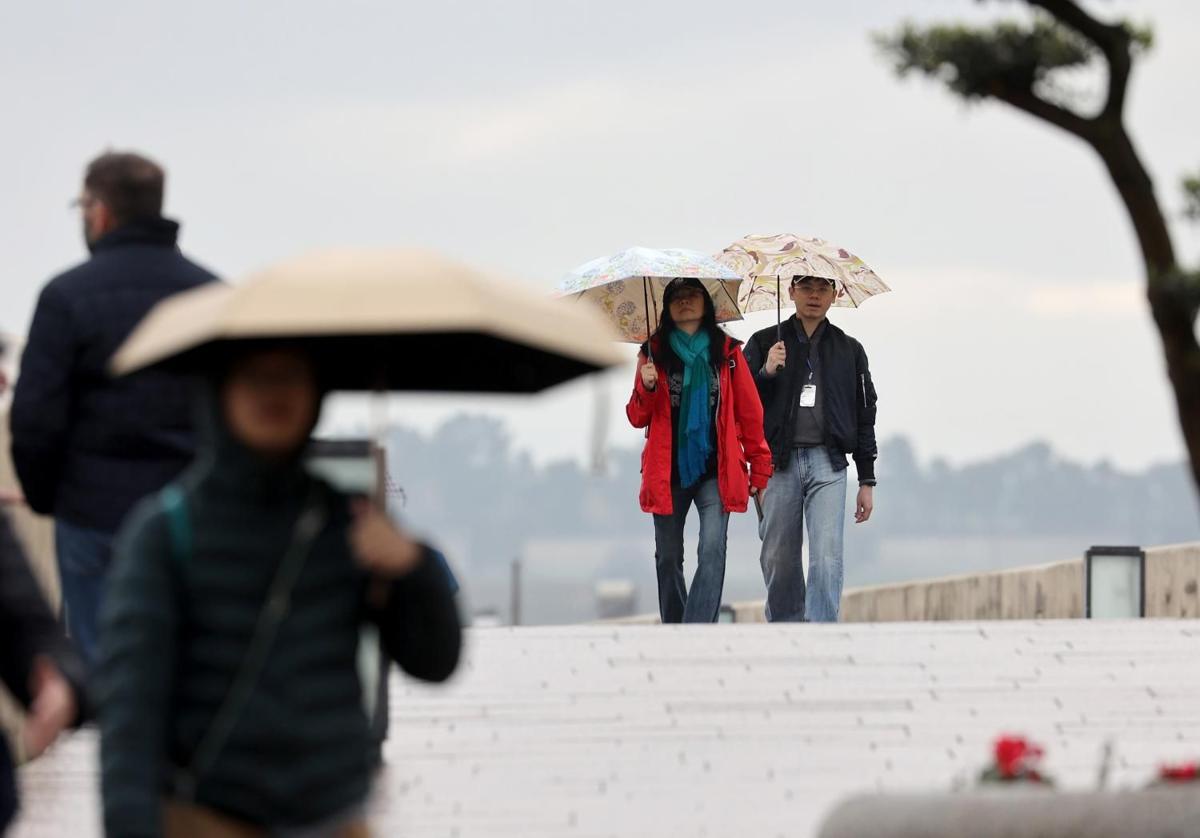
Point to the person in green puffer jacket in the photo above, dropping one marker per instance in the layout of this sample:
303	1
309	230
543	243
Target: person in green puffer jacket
229	700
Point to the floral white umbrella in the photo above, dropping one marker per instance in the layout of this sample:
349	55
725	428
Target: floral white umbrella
628	286
764	260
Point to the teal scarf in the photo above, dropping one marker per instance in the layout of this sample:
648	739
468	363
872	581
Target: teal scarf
693	440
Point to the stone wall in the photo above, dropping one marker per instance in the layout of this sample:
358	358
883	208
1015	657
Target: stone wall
1042	592
1019	813
1172	580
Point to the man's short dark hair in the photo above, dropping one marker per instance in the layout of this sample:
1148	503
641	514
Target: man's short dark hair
130	185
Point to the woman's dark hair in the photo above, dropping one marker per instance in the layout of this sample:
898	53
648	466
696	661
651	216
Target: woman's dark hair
662	335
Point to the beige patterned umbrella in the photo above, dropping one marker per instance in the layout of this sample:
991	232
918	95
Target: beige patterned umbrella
767	261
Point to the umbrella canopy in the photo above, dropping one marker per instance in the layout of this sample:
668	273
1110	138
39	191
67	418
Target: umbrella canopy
382	320
628	286
764	261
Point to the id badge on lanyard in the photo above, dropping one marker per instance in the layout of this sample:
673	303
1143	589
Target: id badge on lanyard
808	393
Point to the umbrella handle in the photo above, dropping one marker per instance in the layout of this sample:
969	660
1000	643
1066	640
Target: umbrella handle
778	316
378	412
646	302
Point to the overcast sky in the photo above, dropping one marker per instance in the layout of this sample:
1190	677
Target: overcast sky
531	136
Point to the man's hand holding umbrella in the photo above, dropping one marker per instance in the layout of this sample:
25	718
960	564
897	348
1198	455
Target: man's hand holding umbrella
776	359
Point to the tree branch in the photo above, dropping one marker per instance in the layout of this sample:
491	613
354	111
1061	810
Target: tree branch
1031	103
1114	40
1191	197
1006	63
1071	14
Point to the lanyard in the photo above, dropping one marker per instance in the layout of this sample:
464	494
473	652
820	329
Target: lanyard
812	371
807	341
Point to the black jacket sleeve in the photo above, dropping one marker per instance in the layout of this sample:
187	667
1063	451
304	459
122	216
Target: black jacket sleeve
865	399
28	627
419	623
135	674
41	407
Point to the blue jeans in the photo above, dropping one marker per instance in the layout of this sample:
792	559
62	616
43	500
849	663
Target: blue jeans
702	604
809	491
83	559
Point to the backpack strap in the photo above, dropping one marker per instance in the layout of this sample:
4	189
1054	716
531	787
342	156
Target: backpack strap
275	609
179	525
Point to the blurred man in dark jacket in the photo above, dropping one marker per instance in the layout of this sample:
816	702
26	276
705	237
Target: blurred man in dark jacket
85	446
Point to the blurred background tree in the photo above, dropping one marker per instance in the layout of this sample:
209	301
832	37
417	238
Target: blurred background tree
1027	65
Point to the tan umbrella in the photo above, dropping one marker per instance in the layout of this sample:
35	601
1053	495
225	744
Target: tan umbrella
383	320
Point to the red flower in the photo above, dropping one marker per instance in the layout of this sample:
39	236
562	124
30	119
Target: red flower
1015	756
1180	773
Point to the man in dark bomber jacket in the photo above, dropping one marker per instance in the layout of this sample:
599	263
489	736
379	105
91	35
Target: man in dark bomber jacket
818	406
86	447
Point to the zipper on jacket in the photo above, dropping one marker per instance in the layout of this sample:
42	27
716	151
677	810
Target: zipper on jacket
862	378
717	425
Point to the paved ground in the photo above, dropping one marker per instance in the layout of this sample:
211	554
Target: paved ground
740	730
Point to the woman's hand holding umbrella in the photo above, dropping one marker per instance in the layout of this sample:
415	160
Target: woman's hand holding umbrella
649	375
379	545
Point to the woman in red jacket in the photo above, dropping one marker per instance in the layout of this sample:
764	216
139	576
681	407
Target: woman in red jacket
695	394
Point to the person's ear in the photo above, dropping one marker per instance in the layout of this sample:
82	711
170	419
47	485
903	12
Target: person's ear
106	222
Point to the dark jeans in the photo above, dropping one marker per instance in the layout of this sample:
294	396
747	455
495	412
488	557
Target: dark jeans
702	604
83	559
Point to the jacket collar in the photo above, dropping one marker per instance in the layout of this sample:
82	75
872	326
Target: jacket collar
791	335
160	232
